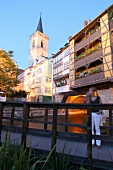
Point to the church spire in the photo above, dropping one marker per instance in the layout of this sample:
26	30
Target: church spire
39	27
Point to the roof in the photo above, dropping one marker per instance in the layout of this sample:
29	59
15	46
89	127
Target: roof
20	71
61	50
39	27
103	13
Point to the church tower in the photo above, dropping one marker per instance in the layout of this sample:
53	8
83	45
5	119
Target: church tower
38	44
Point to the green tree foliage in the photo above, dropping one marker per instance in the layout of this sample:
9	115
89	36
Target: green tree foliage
19	94
8	73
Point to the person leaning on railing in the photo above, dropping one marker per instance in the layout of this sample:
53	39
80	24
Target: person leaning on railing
86	98
96	115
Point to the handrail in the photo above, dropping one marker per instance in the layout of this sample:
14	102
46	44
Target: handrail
54	132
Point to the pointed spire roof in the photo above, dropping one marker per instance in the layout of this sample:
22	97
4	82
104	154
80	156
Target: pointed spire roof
39	27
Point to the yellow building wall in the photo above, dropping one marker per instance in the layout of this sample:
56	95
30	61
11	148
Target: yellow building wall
72	71
105	38
47	72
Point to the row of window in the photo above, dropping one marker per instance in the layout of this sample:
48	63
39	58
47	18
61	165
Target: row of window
62	55
61	68
39	90
59	83
37	72
39	80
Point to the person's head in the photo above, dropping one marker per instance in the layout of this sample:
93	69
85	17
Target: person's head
93	91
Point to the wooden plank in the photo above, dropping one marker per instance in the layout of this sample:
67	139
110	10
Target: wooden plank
44	145
25	124
81	150
61	144
110	150
66	120
89	138
12	116
103	154
70	147
46	118
54	126
3	135
34	140
94	152
14	137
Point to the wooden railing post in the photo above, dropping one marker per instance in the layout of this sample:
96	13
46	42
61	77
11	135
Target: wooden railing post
46	118
12	116
110	122
25	124
89	137
1	117
66	120
54	127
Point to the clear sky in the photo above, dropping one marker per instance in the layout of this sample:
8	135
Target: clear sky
60	19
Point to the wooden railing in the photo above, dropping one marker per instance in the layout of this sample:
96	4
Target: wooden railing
54	133
90	79
89	39
88	58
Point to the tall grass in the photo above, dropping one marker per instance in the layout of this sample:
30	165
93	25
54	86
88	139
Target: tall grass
16	157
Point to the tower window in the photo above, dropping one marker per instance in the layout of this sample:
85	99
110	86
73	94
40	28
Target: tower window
42	44
33	45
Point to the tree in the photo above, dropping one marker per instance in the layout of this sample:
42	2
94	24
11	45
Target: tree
8	73
19	94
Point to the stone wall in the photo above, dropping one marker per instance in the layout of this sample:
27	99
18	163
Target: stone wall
106	95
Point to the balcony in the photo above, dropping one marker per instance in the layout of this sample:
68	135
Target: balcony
60	76
89	79
86	41
89	58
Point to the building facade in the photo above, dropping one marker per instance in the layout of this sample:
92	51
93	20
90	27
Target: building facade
61	74
37	78
91	55
85	61
38	81
38	45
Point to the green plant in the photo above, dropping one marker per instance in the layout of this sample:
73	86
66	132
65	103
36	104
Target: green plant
16	157
59	161
13	156
77	77
96	70
96	27
111	14
19	94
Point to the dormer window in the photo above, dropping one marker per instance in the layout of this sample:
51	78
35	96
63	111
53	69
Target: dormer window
42	44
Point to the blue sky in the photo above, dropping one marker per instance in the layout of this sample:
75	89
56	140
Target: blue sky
60	19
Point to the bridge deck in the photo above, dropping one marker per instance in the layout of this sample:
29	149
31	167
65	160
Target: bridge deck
77	150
